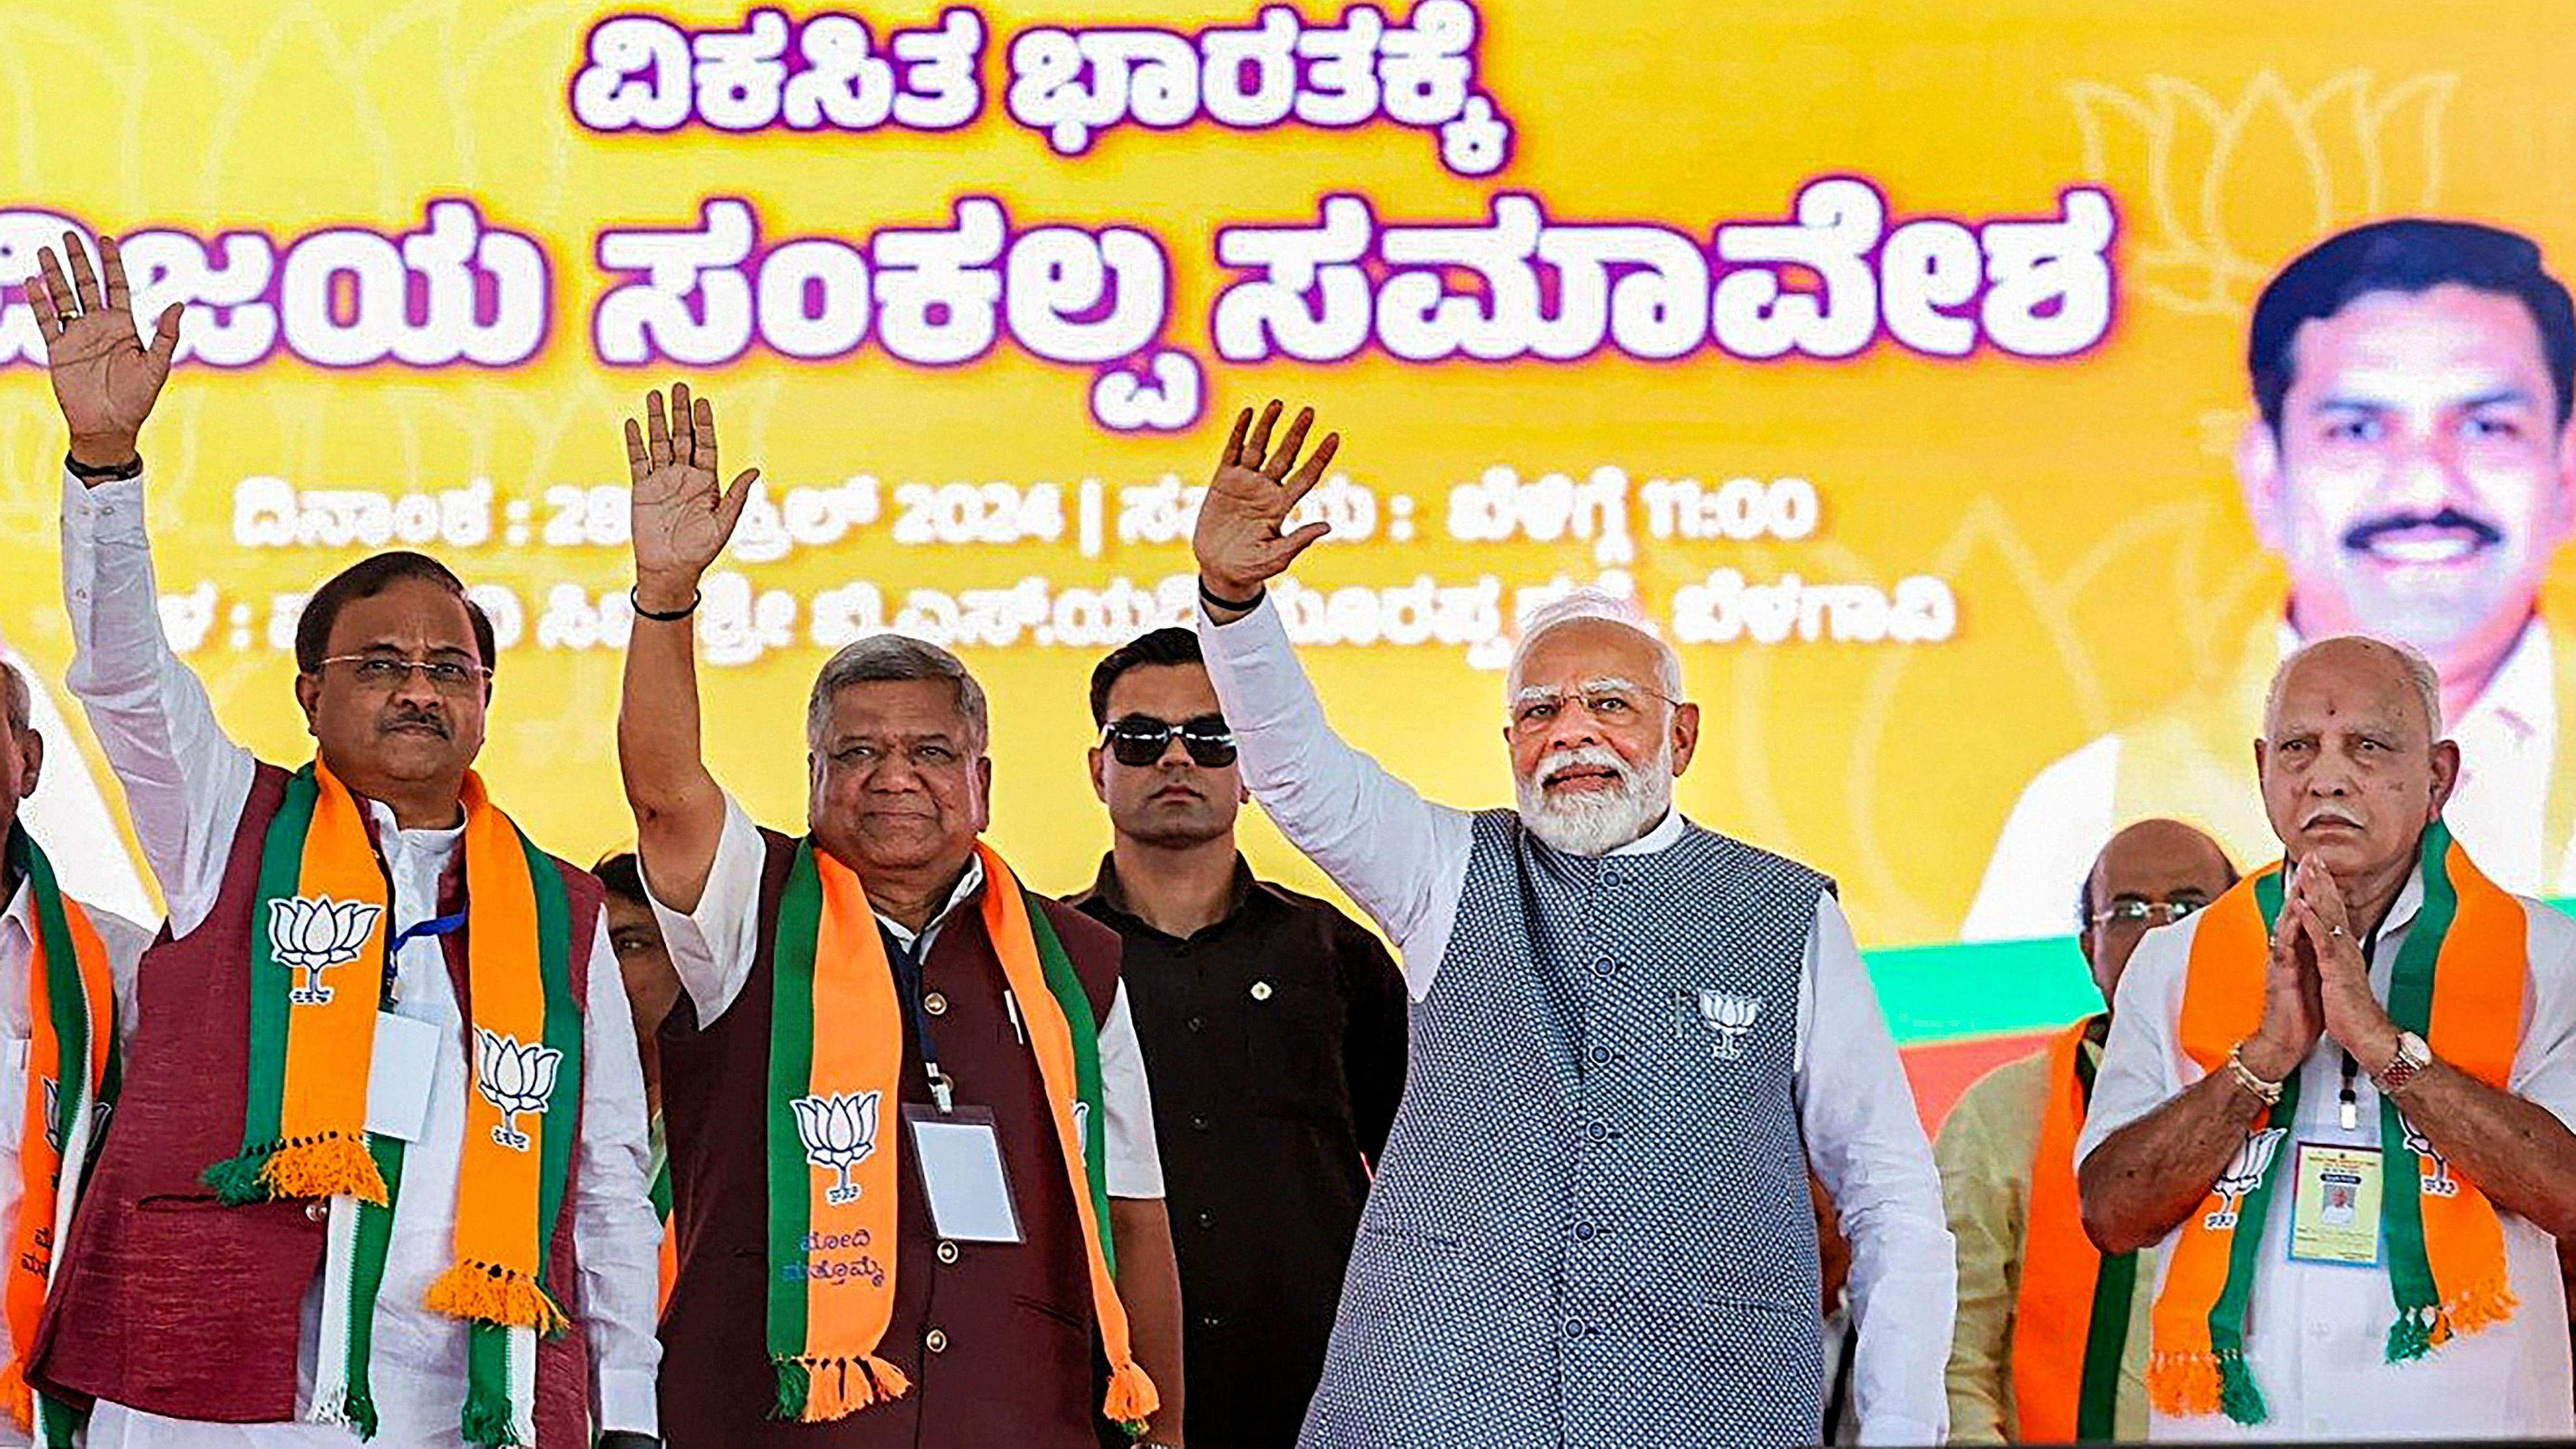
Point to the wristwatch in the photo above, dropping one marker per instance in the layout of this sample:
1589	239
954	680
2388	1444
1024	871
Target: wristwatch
2413	1056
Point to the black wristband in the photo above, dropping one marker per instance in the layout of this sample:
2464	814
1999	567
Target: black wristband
637	599
106	473
1235	606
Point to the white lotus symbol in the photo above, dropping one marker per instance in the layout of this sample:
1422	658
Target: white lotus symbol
840	1132
2440	1183
517	1079
1730	1016
2244	1174
313	934
53	1111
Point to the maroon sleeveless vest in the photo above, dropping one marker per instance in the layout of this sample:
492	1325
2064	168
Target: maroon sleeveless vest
998	1339
172	1303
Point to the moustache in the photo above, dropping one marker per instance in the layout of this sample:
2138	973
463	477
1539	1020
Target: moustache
406	716
1588	757
2363	535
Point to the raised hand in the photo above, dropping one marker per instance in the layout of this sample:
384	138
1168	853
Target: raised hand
105	379
681	518
1238	542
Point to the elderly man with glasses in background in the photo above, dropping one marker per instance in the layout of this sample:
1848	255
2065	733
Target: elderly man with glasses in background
2051	1341
1273	1028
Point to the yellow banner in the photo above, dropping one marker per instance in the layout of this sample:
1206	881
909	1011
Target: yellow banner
1894	355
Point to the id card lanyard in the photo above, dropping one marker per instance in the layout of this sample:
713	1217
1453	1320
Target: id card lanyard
907	979
2348	1100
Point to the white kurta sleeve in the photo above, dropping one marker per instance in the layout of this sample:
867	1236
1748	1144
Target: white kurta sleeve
1866	1144
613	1218
712	947
185	781
1135	1157
1402	858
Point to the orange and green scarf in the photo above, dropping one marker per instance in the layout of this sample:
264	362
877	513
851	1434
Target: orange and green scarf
2458	982
833	1093
72	1074
2071	1317
323	907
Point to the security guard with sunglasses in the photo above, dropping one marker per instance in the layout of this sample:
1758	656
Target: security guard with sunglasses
1273	1030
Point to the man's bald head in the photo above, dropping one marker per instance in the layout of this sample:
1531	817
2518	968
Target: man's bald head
2155	871
2402	668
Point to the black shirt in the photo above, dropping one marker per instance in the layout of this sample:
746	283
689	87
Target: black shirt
1274	1044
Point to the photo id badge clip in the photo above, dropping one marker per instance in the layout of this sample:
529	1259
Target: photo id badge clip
2334	1213
961	1170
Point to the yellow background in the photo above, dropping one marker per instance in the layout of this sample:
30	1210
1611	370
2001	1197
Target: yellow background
2083	510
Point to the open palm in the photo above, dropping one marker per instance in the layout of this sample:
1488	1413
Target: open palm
105	378
682	518
1239	540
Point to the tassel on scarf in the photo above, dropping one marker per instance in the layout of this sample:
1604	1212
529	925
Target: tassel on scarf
486	1293
331	1165
2238	1395
1132	1398
2183	1384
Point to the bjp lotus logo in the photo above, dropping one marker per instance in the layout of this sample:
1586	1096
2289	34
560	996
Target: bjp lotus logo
314	934
2441	1183
2218	190
840	1132
1730	1017
53	1116
514	1078
2244	1174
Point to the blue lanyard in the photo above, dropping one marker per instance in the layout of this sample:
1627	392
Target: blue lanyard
434	926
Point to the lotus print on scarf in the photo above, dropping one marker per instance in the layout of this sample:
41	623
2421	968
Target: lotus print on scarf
514	1078
313	934
2244	1174
839	1132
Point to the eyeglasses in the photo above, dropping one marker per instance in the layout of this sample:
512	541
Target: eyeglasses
388	671
1138	740
1607	704
2131	913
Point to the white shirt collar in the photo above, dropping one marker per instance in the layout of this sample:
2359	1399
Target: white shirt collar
18	923
1666	834
918	942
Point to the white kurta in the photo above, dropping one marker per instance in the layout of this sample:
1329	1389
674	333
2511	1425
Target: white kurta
1404	860
2317	1333
187	784
125	942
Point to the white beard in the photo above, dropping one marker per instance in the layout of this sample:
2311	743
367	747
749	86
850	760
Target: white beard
1597	822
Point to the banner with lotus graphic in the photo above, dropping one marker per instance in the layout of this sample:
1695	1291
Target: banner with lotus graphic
1896	357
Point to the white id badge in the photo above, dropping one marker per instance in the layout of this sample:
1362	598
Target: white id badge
961	1170
398	1080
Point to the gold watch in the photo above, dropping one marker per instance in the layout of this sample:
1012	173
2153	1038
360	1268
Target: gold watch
2413	1056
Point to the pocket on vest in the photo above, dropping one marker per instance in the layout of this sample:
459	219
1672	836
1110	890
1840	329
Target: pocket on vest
191	1270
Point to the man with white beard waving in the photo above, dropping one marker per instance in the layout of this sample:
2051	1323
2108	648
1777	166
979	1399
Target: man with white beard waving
1631	1039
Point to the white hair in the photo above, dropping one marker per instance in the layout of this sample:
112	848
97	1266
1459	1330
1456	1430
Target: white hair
1587	604
2420	674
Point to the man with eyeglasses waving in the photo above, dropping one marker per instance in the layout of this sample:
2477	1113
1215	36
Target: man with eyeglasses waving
2051	1342
1273	1028
379	1166
1630	1039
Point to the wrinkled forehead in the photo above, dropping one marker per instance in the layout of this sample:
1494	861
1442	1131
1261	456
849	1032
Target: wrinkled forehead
1580	652
899	710
2348	690
412	616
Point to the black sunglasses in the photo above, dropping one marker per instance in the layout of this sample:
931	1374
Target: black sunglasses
1138	740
